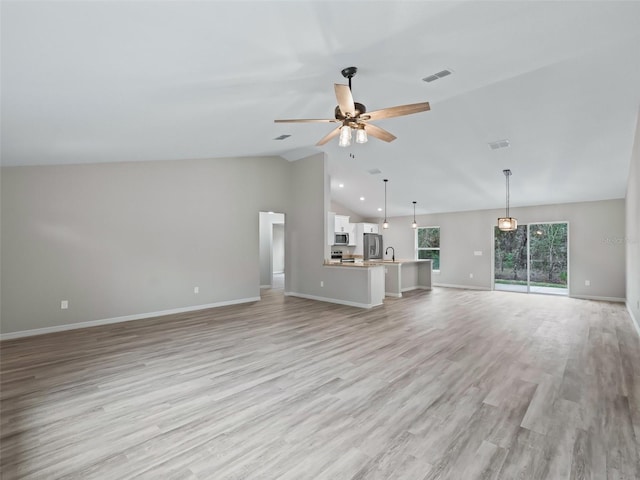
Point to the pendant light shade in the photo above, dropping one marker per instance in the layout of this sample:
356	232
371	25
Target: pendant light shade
385	224
414	224
507	223
361	135
345	136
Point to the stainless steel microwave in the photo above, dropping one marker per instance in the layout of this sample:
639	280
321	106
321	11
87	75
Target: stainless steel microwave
341	238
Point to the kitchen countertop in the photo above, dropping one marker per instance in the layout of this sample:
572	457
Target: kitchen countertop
370	263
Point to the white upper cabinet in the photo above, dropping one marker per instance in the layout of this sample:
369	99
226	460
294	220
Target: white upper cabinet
342	224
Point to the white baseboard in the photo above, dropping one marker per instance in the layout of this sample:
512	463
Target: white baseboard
126	318
390	294
465	287
332	300
634	320
265	286
603	299
418	287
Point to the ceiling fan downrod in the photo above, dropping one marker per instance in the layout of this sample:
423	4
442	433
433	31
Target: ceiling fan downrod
349	73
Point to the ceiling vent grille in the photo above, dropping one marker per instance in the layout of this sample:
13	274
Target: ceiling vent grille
282	137
436	76
499	144
374	171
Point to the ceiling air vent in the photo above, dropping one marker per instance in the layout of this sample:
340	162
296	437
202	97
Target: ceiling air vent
374	171
282	137
436	76
499	144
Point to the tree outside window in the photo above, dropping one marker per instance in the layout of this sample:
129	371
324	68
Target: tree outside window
428	242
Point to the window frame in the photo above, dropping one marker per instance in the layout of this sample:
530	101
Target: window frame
439	248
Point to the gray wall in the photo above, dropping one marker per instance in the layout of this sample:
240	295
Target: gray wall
120	239
596	249
278	248
633	230
267	220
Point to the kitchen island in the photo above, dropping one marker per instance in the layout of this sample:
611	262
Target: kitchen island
359	284
404	275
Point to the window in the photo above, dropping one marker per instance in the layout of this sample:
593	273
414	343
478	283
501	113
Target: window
428	242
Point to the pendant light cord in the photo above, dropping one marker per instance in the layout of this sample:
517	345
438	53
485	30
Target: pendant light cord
507	174
385	198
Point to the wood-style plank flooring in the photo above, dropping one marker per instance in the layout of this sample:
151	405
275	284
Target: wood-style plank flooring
441	384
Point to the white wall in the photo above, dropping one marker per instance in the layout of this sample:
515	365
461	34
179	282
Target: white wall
122	239
633	230
596	249
267	221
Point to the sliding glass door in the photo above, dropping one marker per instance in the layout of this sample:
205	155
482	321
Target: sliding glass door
533	258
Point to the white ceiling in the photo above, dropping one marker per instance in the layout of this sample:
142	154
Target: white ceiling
134	81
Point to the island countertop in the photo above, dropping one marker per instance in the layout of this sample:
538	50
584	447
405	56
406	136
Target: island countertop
371	263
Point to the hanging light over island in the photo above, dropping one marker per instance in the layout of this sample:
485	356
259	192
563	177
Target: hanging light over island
507	223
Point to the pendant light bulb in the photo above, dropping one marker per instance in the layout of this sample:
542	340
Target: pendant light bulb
361	135
414	224
385	224
345	136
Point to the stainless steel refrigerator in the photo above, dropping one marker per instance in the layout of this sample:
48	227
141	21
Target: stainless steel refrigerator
373	246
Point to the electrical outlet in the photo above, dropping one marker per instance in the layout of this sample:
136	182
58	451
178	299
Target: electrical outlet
478	253
64	304
321	283
587	283
471	275
196	289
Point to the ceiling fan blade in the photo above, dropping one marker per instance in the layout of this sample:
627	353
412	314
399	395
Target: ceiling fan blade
333	133
398	111
345	100
308	120
378	132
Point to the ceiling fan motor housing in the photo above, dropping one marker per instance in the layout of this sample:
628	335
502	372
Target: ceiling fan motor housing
360	109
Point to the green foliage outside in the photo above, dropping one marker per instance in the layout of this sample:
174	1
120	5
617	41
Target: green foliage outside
547	250
429	239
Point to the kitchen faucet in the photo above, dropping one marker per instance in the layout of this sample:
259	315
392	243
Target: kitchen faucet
393	253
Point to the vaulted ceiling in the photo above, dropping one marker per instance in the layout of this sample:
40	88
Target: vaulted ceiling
136	81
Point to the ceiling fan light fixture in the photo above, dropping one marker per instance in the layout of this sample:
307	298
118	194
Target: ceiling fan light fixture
507	223
345	136
361	135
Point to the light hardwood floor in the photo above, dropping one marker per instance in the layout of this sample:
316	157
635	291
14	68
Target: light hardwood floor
446	384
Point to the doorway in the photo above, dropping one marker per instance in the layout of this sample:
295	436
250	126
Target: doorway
532	259
272	249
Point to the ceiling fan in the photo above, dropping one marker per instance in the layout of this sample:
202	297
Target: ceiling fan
354	115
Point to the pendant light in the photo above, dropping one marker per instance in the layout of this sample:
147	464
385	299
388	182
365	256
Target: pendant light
414	224
385	224
361	134
507	223
345	136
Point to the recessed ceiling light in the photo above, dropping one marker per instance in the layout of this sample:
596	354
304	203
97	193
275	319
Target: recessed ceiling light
362	199
379	209
498	144
341	185
282	137
436	76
